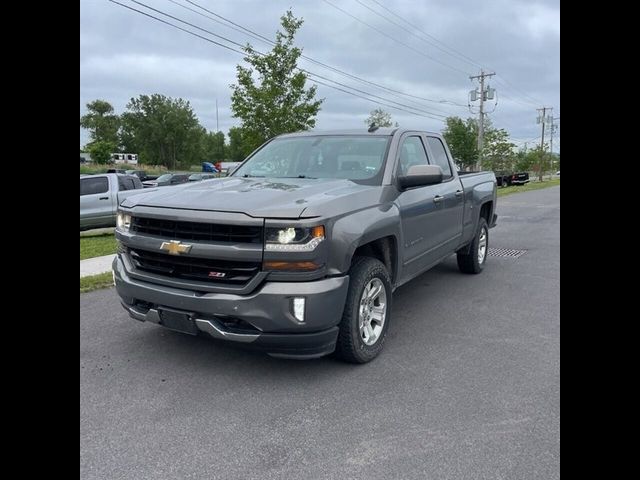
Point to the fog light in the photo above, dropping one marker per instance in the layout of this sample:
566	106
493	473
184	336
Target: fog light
298	308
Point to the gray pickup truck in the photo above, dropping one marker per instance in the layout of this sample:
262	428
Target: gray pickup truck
100	196
298	252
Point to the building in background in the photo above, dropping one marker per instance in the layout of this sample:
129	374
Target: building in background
128	158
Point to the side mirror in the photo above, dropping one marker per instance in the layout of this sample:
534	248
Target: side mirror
421	175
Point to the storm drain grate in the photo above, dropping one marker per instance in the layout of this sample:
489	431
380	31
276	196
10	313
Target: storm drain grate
506	252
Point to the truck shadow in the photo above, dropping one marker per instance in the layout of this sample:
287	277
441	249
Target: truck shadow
209	357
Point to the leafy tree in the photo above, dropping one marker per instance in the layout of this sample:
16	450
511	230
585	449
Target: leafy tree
214	148
101	151
239	147
101	121
462	137
498	151
277	102
542	160
379	118
525	160
163	131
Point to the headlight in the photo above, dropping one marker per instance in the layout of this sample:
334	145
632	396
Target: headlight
293	239
123	221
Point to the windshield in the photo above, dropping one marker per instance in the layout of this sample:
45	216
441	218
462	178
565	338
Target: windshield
195	176
164	178
352	157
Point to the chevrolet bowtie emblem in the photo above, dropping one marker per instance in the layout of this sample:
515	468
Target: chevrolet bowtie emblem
174	247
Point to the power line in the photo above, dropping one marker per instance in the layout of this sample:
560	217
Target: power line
458	55
264	39
374	101
461	55
176	26
302	70
504	81
403	28
395	39
310	74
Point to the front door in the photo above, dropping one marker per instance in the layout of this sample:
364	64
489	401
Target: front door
96	207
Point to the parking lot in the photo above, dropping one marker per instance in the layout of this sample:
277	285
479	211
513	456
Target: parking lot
466	388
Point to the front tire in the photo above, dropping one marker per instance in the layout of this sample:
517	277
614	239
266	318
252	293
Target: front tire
367	311
474	261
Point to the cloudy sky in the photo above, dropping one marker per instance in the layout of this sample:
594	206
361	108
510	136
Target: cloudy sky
124	54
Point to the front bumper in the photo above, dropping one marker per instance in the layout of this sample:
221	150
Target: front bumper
267	310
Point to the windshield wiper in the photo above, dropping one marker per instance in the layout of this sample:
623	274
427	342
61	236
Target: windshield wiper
248	175
301	176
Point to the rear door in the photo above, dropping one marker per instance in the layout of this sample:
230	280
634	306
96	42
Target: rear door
418	210
449	218
96	202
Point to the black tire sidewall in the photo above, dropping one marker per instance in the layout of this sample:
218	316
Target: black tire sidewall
363	271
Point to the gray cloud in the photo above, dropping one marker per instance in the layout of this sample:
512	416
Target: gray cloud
124	54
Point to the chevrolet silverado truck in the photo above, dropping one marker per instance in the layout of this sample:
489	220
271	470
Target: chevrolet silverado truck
299	250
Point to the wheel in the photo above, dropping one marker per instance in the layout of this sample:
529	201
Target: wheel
473	262
367	311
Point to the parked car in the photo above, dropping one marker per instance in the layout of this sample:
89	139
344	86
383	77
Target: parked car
506	179
521	178
210	167
299	251
228	167
100	196
141	174
558	173
167	179
196	177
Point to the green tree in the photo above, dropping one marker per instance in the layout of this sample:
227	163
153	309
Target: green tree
163	131
380	118
101	121
277	102
542	160
462	138
214	147
239	147
524	161
101	151
498	152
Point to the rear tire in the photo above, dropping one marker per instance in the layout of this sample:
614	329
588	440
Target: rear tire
367	311
474	261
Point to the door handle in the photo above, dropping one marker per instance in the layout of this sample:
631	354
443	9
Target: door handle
103	198
438	199
459	193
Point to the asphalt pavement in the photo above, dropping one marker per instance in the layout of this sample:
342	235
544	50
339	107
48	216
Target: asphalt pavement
467	387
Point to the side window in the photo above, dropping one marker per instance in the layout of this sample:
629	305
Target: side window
440	156
137	183
92	186
123	184
411	153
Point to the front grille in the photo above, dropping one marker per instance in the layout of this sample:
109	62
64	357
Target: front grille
192	268
208	232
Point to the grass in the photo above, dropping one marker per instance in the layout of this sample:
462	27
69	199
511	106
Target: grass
93	168
95	282
97	246
529	186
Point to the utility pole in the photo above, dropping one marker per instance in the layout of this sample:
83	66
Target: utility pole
543	119
553	131
485	94
217	124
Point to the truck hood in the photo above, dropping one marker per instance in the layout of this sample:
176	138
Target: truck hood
256	197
